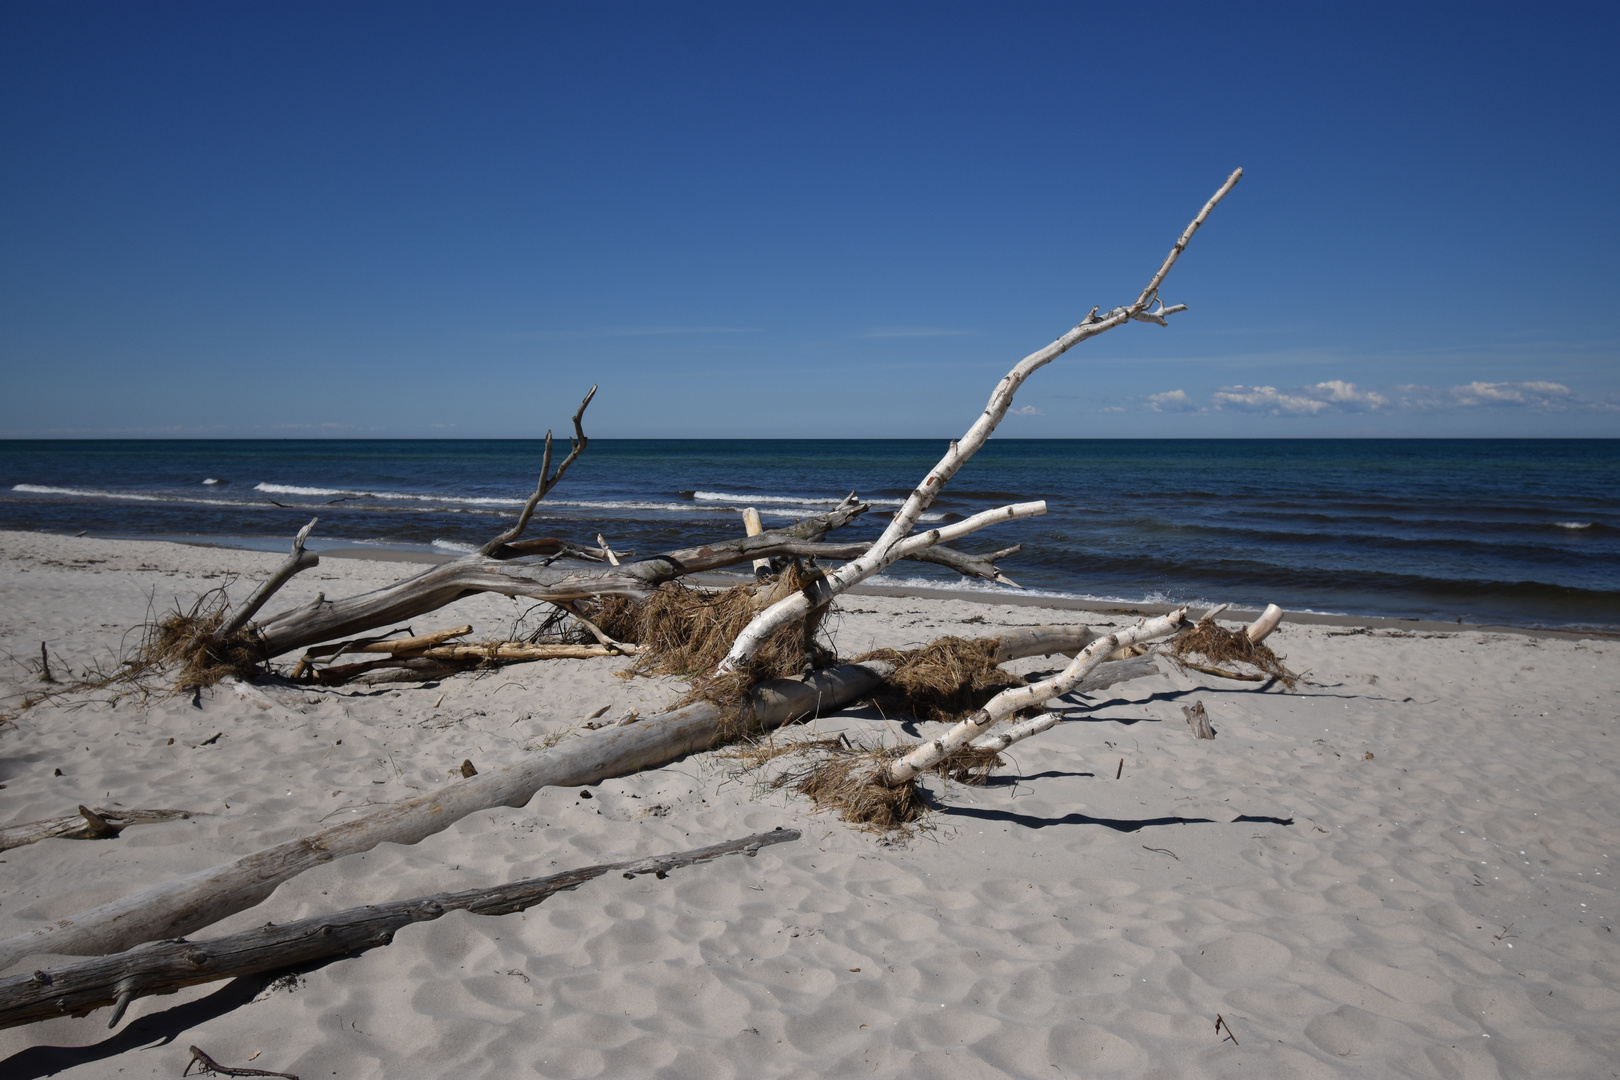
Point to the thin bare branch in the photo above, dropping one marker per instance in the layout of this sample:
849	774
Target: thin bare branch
548	480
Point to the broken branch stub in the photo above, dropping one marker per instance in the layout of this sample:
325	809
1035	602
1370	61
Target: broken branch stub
890	546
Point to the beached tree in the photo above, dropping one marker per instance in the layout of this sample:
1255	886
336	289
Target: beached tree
756	636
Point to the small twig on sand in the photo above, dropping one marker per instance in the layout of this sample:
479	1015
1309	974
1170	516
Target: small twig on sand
1220	1022
208	1063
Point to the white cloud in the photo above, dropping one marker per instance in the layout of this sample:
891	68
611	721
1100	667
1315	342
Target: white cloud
1171	401
1345	395
1267	399
1027	410
1535	396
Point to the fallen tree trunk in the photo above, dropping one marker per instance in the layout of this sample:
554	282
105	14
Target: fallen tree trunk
189	903
163	968
87	824
185	904
323	619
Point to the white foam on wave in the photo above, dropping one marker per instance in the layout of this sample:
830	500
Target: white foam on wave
467	500
777	500
455	545
1574	524
210	481
127	496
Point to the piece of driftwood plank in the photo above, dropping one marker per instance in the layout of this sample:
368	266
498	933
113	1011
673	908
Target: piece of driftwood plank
167	966
1198	720
87	824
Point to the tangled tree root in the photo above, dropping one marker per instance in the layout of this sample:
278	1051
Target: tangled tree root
184	643
1219	645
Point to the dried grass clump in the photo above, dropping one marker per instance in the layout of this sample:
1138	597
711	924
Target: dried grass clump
1219	646
844	778
687	632
841	776
943	681
184	642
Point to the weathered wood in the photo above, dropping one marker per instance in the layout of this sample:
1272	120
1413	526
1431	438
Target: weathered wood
1198	720
393	646
753	527
163	968
298	561
897	538
399	603
577	446
196	900
1268	621
98	824
974	566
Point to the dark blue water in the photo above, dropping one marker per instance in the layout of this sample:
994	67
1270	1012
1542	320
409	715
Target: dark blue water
1512	531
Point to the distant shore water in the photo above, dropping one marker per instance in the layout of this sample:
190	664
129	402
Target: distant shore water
1516	532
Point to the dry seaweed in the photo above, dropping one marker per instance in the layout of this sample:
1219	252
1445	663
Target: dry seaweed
1219	645
687	631
838	775
943	681
184	641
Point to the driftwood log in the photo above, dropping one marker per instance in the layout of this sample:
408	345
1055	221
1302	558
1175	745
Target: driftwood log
163	968
189	903
98	824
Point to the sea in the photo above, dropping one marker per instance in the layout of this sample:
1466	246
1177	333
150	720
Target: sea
1498	531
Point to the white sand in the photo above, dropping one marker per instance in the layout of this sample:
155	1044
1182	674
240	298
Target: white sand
1405	868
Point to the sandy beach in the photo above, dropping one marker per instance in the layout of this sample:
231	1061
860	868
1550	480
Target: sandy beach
1404	867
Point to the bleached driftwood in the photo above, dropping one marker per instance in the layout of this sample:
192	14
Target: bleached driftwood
1010	702
189	903
197	900
163	968
397	604
98	824
297	561
897	540
1268	621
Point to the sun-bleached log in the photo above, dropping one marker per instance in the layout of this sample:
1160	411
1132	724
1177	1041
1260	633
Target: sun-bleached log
1010	702
892	544
163	968
196	900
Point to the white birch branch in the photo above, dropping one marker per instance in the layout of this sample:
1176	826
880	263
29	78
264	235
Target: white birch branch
1106	675
1010	702
884	551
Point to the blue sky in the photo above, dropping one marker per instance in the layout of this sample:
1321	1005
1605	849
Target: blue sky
767	219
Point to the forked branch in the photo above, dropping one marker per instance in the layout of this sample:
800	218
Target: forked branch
548	480
891	545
